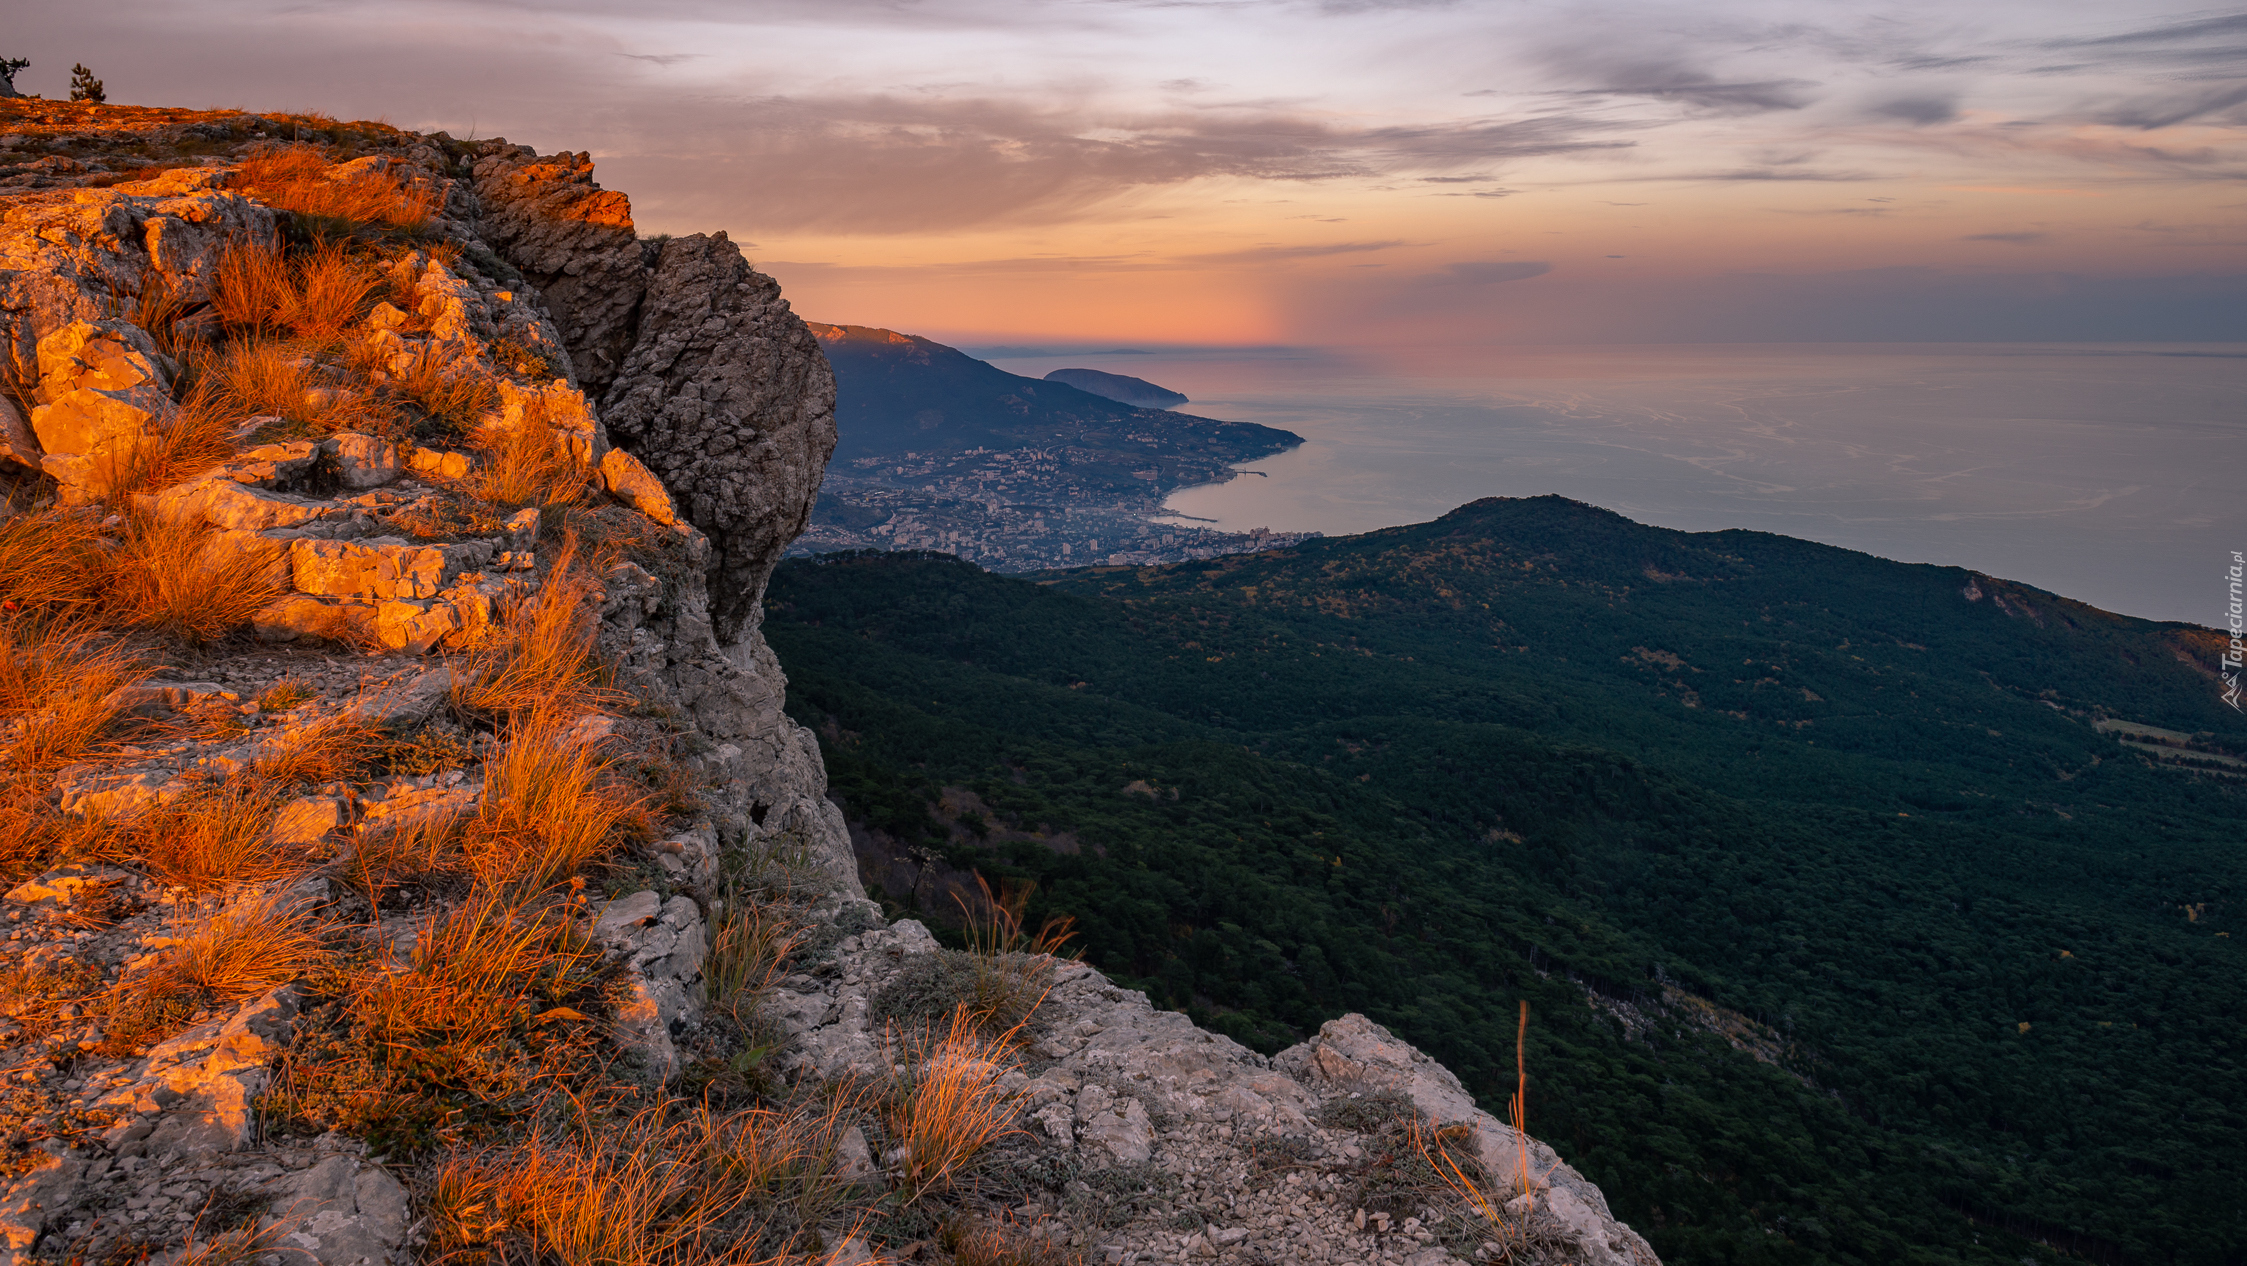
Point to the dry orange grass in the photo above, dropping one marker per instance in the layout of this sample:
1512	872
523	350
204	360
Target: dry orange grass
749	946
35	836
542	659
295	178
255	377
949	1104
699	1189
315	295
51	563
548	811
325	750
528	464
251	286
988	1244
57	682
482	977
252	944
450	390
421	850
186	442
212	836
581	1202
175	578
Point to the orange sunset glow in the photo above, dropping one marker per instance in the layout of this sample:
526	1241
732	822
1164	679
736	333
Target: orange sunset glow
1346	173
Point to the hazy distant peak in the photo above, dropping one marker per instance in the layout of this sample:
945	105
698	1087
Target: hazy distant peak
858	334
1122	388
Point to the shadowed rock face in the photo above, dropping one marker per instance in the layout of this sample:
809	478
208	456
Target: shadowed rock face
703	372
574	240
728	399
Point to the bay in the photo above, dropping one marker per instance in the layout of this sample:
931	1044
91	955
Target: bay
2107	473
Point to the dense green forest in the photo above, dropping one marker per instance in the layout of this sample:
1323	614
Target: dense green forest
1849	935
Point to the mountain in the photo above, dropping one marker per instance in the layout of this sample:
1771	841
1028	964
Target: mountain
1119	387
940	450
404	852
899	393
1867	912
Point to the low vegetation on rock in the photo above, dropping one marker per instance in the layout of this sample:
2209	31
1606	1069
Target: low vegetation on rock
406	855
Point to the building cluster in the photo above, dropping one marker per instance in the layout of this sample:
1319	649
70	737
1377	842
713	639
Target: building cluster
1015	510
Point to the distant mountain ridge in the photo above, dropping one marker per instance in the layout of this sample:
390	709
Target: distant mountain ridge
900	393
1119	387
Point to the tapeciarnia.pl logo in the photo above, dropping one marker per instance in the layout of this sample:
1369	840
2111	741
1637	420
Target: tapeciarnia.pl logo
2237	651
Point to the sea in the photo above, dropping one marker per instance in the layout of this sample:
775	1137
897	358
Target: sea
2113	474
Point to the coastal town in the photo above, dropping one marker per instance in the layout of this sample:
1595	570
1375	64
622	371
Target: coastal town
1014	510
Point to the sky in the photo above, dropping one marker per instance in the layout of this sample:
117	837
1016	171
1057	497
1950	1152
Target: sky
1333	172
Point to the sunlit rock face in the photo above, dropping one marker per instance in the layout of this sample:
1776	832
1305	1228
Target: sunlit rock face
680	416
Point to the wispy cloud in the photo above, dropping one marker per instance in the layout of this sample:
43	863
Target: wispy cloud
1484	272
2010	239
1268	254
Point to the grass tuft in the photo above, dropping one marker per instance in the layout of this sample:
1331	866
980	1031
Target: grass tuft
527	464
542	660
51	563
176	579
295	178
449	390
948	1105
250	945
212	836
548	809
57	682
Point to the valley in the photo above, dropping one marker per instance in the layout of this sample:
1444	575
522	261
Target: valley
1852	927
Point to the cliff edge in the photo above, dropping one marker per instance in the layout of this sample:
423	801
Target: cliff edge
407	855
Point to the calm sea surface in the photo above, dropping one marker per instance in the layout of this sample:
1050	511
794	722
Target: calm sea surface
2112	474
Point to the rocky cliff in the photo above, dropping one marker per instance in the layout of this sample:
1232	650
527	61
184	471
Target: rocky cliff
407	854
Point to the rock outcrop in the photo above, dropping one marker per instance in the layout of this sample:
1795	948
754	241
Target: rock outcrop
703	372
694	413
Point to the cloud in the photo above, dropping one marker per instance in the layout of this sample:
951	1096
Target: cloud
1455	180
1774	173
1665	80
893	164
2148	113
1267	254
2013	239
664	59
1919	110
1483	272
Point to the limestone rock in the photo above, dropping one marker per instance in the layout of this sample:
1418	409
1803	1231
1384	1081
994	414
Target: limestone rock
623	477
18	444
297	615
362	461
727	398
307	821
436	463
1354	1051
560	407
342	1212
225	502
382	567
26	1201
63	886
101	386
120	795
576	242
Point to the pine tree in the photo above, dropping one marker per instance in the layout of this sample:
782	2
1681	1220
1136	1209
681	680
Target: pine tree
8	68
84	87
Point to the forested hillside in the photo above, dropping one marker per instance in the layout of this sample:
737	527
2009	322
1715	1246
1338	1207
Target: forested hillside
1852	928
